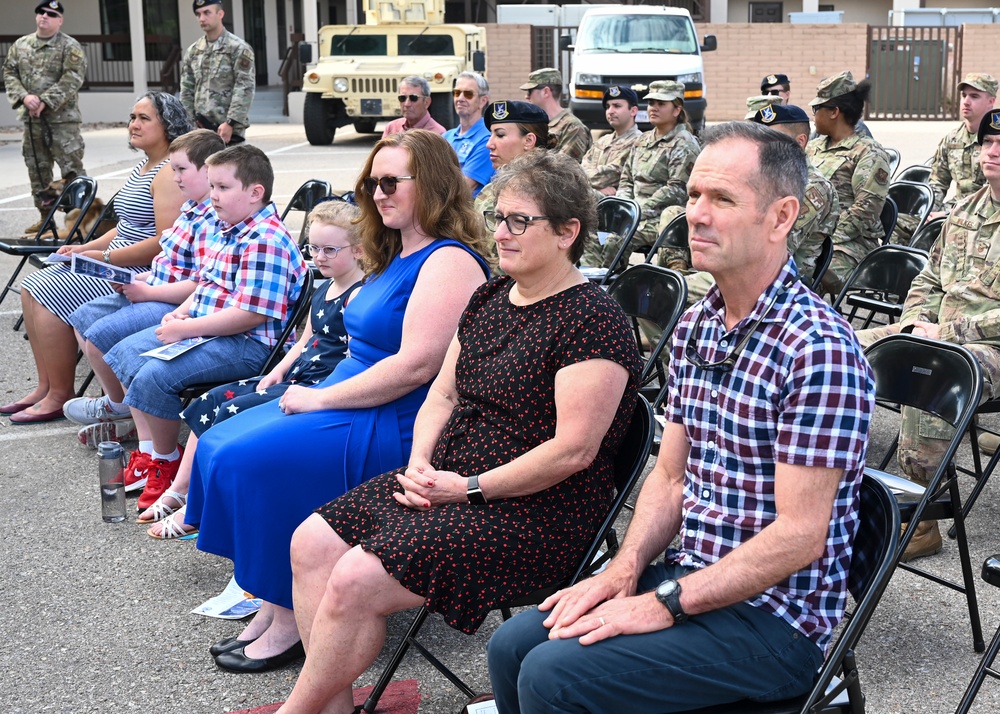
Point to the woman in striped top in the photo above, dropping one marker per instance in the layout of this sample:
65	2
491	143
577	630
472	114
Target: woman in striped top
148	204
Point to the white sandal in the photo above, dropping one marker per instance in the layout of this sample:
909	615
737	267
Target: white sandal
161	510
169	528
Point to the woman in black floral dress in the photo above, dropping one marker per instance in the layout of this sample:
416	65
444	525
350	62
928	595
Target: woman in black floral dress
512	463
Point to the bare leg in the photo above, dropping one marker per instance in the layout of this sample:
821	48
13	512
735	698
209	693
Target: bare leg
105	375
54	348
347	633
143	430
316	548
164	432
280	634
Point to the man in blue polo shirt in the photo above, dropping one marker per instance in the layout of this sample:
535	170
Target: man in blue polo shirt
472	94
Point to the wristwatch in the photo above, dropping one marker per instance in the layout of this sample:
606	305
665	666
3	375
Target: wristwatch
106	254
474	493
669	594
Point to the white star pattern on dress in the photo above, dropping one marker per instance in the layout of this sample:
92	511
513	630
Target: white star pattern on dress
216	411
204	397
232	409
319	315
342	338
326	329
262	392
242	382
314	358
204	419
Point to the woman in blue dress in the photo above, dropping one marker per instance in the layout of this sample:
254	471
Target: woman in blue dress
257	476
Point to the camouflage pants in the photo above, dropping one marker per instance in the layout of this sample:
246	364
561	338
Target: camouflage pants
600	255
923	438
906	226
698	285
48	144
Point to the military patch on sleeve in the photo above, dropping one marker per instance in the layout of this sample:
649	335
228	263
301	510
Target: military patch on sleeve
75	57
814	197
244	64
882	176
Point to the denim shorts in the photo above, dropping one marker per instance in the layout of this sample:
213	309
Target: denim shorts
108	320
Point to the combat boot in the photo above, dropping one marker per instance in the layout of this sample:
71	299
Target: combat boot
34	227
988	443
926	541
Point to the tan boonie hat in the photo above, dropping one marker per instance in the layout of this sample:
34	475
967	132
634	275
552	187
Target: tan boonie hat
545	77
666	90
755	104
835	86
981	81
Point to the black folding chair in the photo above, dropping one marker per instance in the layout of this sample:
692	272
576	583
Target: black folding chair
991	574
658	296
305	199
927	234
888	218
822	263
914	202
629	466
297	317
944	380
79	193
880	282
673	235
893	159
620	216
838	685
917	174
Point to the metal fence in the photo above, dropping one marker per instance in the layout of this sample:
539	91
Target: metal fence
914	72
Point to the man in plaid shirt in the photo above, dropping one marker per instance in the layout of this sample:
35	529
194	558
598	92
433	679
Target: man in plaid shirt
757	479
247	286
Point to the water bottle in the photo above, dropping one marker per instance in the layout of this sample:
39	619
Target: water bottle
111	468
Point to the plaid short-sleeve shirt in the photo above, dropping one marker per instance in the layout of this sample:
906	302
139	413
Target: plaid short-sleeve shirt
184	244
801	392
255	266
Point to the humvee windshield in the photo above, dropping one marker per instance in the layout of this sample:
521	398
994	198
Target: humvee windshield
364	45
433	45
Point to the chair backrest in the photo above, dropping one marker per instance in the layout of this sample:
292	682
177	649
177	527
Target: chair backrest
674	235
888	218
79	193
656	294
305	199
893	159
911	198
916	174
889	269
822	263
620	216
296	317
927	234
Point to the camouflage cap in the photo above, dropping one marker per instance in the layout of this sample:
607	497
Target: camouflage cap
754	104
990	124
666	90
199	4
511	112
56	6
777	114
620	91
835	86
545	77
981	81
773	79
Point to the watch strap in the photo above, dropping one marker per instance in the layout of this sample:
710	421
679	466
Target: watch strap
474	493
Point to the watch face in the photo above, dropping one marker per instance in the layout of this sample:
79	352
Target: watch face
667	589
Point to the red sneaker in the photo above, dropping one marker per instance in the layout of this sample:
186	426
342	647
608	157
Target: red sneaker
161	475
136	471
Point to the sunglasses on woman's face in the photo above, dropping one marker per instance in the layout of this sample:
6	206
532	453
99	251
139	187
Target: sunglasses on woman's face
467	93
386	183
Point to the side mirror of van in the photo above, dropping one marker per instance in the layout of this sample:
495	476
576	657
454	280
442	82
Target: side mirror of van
711	44
566	43
479	61
305	53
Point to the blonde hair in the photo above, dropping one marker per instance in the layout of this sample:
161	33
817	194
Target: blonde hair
340	214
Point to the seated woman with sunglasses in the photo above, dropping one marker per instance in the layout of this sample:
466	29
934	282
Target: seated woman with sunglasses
512	467
259	474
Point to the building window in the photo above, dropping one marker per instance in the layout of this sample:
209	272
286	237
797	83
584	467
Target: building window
159	18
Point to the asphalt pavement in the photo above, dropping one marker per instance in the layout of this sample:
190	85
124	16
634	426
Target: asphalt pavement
96	617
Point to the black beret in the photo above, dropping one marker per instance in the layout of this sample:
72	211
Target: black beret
618	91
199	4
513	112
989	125
773	79
53	5
779	114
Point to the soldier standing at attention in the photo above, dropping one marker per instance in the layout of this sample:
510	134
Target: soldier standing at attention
567	134
217	76
957	156
603	161
43	74
856	165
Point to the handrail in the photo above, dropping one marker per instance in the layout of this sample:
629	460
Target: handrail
290	71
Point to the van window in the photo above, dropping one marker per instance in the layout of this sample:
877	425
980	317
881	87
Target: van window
637	33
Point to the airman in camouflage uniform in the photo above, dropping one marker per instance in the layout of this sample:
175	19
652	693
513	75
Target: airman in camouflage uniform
956	298
603	162
818	213
43	74
957	156
567	134
655	175
217	76
859	169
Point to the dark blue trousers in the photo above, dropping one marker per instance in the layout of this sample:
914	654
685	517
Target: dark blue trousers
735	653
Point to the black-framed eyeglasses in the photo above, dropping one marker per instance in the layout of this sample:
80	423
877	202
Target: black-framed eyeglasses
821	106
328	251
48	13
386	183
467	93
729	361
516	223
412	97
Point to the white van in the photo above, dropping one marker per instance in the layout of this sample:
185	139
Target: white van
634	45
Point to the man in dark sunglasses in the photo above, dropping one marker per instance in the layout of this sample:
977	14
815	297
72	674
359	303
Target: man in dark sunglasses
43	74
472	94
777	85
414	105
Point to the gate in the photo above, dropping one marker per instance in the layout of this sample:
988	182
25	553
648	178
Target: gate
914	72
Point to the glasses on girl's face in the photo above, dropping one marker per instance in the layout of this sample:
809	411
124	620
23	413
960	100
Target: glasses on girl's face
414	98
327	251
386	183
516	223
467	93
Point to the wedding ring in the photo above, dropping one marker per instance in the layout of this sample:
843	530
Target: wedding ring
602	622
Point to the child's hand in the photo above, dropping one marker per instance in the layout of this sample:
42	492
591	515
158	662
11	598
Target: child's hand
174	331
171	316
270	379
135	292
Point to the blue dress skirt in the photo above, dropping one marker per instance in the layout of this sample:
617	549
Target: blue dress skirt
258	475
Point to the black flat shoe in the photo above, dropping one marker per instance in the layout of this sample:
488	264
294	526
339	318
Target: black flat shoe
237	661
227	644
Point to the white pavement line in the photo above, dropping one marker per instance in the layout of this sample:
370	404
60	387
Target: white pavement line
34	433
283	149
11	199
10	312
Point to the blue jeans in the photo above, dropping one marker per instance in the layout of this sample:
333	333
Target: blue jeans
738	652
